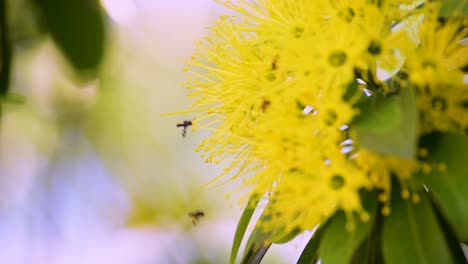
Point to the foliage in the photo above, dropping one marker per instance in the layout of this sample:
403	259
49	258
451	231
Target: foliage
76	26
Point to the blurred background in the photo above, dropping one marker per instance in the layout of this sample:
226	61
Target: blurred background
90	172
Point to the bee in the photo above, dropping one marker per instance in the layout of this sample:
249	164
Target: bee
196	216
184	124
265	105
274	63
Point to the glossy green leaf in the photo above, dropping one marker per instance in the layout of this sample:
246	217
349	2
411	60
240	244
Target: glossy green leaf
77	26
388	125
242	227
310	253
338	244
411	233
449	188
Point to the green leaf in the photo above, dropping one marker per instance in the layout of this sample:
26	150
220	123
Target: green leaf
12	99
310	253
260	240
5	50
388	125
256	246
338	244
281	236
453	243
242	227
77	26
370	251
451	8
449	188
411	233
351	90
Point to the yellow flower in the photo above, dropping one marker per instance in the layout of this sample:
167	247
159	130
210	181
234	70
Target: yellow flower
436	71
443	109
440	55
270	84
380	168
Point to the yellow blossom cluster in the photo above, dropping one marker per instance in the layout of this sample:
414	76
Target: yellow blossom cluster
277	85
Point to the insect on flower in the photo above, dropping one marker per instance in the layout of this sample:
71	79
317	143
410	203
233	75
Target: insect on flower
274	63
184	124
265	105
196	216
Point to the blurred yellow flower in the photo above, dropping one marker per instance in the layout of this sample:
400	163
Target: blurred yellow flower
436	67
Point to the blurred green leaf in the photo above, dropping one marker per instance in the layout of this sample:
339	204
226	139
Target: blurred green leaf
453	243
370	251
451	8
338	244
351	90
388	125
411	233
242	227
310	253
449	188
12	99
5	50
77	26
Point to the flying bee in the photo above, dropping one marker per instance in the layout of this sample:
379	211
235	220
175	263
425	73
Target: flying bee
185	125
196	216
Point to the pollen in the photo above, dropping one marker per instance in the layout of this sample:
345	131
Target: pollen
385	210
415	198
